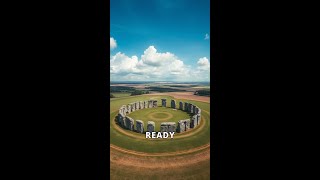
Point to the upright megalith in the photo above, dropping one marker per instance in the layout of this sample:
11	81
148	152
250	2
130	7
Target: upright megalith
150	103
191	108
186	106
194	109
173	104
124	109
139	126
155	103
133	107
164	102
137	105
129	123
146	104
121	120
181	105
128	108
172	127
194	121
168	127
198	118
151	126
141	104
183	125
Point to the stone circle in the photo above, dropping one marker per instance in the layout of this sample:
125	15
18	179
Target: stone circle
183	125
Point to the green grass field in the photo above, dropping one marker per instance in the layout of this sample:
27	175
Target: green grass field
120	139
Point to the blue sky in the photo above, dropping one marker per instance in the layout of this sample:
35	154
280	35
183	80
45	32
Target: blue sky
173	30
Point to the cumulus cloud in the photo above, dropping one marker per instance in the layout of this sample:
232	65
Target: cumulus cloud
113	43
206	36
203	64
154	65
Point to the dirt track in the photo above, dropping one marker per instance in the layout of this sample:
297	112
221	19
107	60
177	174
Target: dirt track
155	162
184	95
160	154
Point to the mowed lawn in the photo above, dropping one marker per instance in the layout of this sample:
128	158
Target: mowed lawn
163	145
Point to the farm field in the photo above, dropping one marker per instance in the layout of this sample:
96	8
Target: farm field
120	94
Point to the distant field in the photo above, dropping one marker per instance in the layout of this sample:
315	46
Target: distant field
201	87
119	94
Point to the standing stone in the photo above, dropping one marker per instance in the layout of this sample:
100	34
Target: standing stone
181	105
171	127
194	109
155	103
139	125
141	105
129	108
151	126
133	107
199	111
164	127
183	125
191	108
173	104
145	104
129	123
121	120
164	102
168	127
198	118
186	106
124	109
150	104
137	105
194	121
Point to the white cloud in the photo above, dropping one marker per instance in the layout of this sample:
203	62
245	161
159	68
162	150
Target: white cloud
154	65
113	43
207	36
203	64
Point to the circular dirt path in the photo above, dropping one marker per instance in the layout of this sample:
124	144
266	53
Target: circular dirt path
151	116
